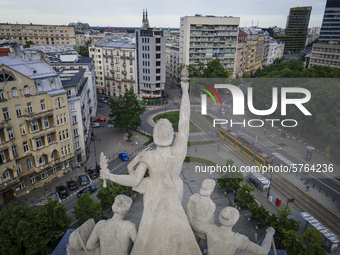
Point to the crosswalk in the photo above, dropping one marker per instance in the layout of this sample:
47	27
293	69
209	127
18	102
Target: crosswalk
150	149
43	202
273	135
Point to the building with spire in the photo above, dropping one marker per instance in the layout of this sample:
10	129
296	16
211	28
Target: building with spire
150	52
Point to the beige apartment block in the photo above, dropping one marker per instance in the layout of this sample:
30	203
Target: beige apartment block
35	128
38	34
203	38
115	65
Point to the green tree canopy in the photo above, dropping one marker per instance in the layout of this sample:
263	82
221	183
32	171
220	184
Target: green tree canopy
244	195
230	179
86	208
126	111
32	232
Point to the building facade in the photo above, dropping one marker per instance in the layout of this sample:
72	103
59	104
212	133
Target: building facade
172	61
296	29
330	29
151	59
252	36
203	38
325	55
35	147
38	34
115	65
241	53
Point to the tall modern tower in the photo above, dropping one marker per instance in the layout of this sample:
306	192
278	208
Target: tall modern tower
296	29
330	29
150	46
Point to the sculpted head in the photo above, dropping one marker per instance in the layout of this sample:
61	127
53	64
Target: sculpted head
229	216
207	188
122	204
163	133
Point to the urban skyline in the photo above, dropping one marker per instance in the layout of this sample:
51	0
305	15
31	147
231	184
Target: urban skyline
265	13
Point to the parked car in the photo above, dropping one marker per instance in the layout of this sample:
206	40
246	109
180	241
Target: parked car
62	192
72	185
227	91
95	125
83	180
124	157
101	119
83	191
92	173
103	100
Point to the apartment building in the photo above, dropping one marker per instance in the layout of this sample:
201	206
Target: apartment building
203	38
275	50
36	145
172	60
252	37
115	65
330	29
259	49
38	34
325	55
241	53
151	59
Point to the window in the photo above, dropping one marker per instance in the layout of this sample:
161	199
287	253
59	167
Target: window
18	110
29	163
62	151
22	129
66	150
62	166
15	150
58	120
43	175
56	104
67	135
69	93
35	126
14	92
75	132
60	137
2	95
43	105
46	123
39	87
67	164
10	133
59	104
38	143
69	149
49	140
74	119
54	170
29	107
52	83
2	157
65	119
26	148
77	144
42	161
5	112
73	108
64	135
21	185
32	179
61	119
19	169
63	102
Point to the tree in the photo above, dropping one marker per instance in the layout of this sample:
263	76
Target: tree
107	195
53	221
27	231
29	43
243	195
84	49
86	208
126	111
230	179
311	242
214	69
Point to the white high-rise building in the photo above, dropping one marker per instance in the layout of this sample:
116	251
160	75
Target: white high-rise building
203	38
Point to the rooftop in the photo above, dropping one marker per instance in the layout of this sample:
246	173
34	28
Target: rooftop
71	77
114	42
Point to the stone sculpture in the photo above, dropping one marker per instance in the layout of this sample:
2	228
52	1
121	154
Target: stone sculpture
164	227
201	210
107	236
222	240
115	234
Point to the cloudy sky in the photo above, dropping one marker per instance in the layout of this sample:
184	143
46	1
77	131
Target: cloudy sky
162	13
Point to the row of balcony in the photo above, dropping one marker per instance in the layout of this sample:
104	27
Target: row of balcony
117	56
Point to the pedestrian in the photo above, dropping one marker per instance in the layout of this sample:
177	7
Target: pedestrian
308	188
46	188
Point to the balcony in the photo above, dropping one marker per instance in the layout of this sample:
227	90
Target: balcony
124	72
34	116
128	57
40	133
109	78
112	71
126	80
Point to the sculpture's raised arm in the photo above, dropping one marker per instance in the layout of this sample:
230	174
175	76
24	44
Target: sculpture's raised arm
184	118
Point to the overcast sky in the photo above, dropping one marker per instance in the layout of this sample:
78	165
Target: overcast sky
161	13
